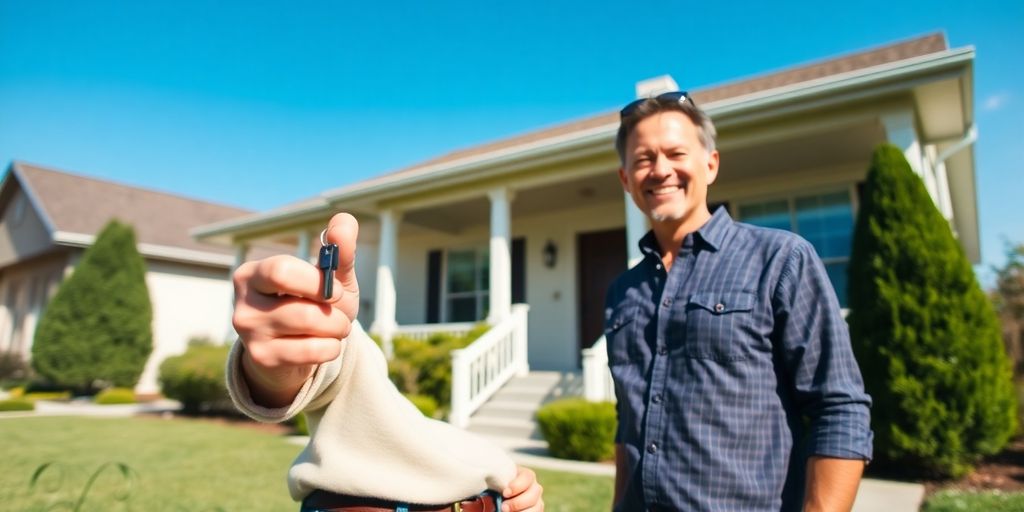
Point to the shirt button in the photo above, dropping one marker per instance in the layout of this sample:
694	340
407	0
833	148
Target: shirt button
667	302
662	351
657	398
658	266
719	307
653	447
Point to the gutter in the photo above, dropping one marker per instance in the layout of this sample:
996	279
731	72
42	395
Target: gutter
968	139
155	251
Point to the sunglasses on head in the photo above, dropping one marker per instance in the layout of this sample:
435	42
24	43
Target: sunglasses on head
665	97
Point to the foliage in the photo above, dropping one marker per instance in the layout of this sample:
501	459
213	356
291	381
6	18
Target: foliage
14	368
196	378
970	501
927	339
17	404
425	367
426	404
577	429
299	424
97	330
114	396
56	396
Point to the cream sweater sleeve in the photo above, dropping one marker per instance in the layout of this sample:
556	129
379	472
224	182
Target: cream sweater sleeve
366	439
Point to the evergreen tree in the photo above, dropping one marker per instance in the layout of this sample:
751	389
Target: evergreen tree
97	330
925	335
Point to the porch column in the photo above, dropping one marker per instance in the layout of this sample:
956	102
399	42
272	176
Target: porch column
302	249
501	256
901	130
384	322
636	227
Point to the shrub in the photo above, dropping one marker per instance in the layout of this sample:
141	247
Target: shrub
196	378
17	404
426	404
425	367
926	336
14	368
299	424
579	430
115	396
47	395
97	329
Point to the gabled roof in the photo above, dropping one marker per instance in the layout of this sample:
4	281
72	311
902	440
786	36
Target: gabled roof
75	208
848	72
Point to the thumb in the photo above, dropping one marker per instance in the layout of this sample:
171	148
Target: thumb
343	229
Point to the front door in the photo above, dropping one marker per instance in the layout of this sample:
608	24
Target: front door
601	258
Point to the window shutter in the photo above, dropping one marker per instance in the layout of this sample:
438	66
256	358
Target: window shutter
434	287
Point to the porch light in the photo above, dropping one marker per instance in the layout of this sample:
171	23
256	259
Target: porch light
550	254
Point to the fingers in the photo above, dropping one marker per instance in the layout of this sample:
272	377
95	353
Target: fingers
524	493
281	352
282	275
343	229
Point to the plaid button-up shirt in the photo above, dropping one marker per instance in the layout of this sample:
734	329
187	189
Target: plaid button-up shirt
730	370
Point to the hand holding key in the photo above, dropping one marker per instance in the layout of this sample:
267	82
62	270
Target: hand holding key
291	316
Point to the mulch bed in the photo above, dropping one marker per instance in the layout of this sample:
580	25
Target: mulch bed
1003	471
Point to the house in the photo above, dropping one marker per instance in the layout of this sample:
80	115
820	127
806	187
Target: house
47	220
541	218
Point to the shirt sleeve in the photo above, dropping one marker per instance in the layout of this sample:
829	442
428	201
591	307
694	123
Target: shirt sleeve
815	348
315	393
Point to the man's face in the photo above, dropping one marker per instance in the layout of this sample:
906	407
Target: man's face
666	170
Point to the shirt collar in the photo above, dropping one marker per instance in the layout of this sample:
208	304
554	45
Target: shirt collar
712	234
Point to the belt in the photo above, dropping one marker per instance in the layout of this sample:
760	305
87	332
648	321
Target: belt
324	501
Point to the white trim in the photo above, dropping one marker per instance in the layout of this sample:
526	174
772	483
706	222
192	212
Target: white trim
163	252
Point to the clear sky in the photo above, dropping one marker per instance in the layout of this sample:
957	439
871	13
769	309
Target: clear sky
257	104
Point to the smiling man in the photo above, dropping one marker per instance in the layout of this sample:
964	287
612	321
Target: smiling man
736	385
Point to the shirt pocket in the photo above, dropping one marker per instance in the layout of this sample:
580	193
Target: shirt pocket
619	335
716	323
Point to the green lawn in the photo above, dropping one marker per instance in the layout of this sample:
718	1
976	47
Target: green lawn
960	501
182	465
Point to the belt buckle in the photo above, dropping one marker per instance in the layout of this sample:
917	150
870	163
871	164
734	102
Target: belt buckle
457	506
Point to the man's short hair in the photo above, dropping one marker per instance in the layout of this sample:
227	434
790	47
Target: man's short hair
641	109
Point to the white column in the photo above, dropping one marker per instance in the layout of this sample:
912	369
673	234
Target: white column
501	257
636	227
384	322
302	249
902	133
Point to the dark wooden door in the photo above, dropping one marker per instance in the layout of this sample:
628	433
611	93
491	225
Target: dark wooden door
601	257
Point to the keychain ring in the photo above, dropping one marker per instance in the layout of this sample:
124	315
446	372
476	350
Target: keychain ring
323	237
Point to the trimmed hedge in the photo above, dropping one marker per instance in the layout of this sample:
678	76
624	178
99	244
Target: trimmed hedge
97	331
17	404
425	367
115	396
577	429
926	336
196	378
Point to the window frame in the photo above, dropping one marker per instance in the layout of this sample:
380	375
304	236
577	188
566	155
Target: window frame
481	253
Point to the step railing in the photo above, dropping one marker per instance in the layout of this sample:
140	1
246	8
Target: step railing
479	370
423	332
597	378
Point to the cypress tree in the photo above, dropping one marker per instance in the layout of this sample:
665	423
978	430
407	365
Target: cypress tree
97	330
927	339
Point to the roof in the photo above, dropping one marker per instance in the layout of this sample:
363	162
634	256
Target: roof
75	208
743	94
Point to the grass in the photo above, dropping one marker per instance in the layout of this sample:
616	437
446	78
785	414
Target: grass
961	501
182	465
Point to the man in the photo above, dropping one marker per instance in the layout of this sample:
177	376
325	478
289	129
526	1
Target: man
369	448
731	360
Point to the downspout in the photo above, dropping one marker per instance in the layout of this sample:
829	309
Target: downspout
969	138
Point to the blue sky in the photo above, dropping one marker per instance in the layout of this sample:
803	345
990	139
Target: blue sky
256	104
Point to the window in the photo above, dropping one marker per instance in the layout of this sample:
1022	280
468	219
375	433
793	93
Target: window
825	220
466	285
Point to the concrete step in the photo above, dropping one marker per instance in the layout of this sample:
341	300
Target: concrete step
504	427
509	410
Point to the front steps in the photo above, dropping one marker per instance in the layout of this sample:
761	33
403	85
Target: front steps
508	417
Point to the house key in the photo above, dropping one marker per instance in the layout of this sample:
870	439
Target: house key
327	263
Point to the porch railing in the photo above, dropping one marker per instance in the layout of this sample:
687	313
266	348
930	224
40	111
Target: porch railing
480	369
423	332
597	378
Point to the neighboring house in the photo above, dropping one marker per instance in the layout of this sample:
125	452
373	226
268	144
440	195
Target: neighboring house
47	220
541	218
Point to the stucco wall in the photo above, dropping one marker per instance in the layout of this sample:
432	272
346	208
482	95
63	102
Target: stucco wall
25	289
188	301
22	232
